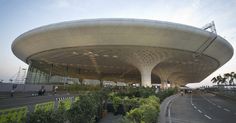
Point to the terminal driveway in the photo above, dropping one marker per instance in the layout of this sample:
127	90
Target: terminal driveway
201	108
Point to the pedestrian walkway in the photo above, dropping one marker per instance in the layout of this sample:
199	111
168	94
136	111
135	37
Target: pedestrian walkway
110	118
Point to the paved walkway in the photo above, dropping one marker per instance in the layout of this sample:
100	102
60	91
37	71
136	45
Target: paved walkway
110	118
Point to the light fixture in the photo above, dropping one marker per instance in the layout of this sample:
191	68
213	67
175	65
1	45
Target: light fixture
105	55
74	53
115	56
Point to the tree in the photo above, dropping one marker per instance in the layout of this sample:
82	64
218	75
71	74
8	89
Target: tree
219	79
227	76
233	77
214	80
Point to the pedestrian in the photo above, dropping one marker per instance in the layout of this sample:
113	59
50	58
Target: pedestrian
12	92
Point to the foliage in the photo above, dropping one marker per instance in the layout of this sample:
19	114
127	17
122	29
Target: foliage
13	115
42	116
226	78
84	110
136	92
47	106
152	100
166	93
146	113
79	87
76	98
116	102
150	113
130	103
65	103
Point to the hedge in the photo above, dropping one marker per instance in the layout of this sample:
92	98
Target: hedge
13	115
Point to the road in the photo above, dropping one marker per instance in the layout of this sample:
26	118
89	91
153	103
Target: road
201	107
30	101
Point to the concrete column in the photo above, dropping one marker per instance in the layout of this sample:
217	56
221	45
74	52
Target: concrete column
146	76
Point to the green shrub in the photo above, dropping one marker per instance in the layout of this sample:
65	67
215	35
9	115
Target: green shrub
116	102
76	99
79	87
130	103
136	92
13	115
147	112
42	116
47	106
166	93
84	110
65	104
135	115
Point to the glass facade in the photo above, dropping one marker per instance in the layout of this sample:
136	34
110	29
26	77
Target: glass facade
44	73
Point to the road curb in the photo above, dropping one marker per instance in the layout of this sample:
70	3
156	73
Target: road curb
164	107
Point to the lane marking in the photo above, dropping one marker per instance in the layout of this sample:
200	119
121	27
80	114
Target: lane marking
169	103
170	121
199	111
195	107
219	106
207	116
226	109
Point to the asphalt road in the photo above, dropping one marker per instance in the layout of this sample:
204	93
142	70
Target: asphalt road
201	108
29	101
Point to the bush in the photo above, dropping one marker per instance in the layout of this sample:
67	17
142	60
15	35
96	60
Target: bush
166	93
116	102
147	112
47	106
79	87
42	116
136	92
65	104
13	115
84	110
131	103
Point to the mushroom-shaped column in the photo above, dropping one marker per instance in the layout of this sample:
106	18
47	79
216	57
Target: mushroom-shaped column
146	72
145	59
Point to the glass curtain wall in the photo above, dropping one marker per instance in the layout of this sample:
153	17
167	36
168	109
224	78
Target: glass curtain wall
44	73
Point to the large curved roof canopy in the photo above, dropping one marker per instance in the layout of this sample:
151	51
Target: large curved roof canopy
116	48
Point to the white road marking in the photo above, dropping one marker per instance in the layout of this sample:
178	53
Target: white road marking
195	107
219	106
170	121
199	111
226	109
207	116
170	103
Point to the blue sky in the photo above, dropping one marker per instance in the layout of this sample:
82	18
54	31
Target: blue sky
19	16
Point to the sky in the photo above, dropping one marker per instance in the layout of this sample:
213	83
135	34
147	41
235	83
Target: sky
19	16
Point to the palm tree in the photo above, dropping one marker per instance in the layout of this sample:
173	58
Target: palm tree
233	77
227	76
214	80
231	80
219	79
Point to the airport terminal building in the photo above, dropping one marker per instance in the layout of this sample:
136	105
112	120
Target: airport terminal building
121	50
